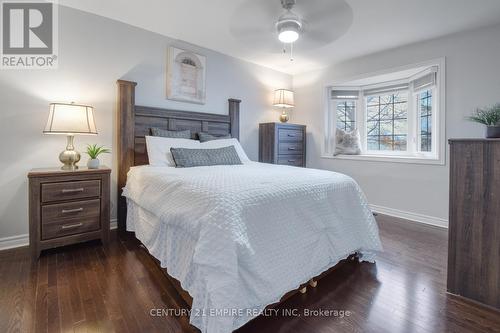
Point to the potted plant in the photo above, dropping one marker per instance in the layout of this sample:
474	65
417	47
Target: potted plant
489	116
94	151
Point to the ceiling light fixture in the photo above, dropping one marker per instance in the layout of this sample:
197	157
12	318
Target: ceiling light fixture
289	26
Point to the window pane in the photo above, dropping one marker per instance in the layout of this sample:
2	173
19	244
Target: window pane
372	100
349	112
400	97
400	142
386	127
373	142
386	99
372	128
425	109
386	111
400	126
372	112
387	122
423	125
346	115
401	110
386	142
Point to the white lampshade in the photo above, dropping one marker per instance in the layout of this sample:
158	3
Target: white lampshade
283	98
70	119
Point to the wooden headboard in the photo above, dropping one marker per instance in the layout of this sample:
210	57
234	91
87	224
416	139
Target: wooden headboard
134	122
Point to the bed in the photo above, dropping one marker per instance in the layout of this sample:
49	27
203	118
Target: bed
235	239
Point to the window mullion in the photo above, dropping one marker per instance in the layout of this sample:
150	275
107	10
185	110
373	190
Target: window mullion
361	114
333	126
412	140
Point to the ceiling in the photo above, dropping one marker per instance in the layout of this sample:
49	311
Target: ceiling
366	26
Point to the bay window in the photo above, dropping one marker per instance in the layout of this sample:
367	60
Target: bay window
398	120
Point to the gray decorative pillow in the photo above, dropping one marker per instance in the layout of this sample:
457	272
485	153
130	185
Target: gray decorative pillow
186	157
184	134
347	143
204	137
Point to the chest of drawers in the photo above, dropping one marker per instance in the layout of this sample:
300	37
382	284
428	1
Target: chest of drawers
67	207
282	144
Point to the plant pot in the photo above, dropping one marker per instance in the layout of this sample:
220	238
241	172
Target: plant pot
93	163
493	131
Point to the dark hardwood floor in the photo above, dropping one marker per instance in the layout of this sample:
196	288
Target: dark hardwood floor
91	288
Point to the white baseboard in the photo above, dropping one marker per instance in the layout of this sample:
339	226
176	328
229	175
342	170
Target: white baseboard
24	240
14	241
414	217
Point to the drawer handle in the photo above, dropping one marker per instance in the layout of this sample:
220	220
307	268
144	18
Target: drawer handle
291	161
68	211
69	226
72	190
291	148
291	135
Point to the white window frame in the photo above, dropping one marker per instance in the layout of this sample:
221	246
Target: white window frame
437	156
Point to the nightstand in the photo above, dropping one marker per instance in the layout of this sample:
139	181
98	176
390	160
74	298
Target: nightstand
282	143
67	207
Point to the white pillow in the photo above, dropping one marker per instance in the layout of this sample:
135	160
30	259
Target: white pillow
347	143
220	143
159	149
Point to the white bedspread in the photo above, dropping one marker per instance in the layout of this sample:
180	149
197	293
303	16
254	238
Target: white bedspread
239	237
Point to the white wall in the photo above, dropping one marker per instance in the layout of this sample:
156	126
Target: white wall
93	53
472	80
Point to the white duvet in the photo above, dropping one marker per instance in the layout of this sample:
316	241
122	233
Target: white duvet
239	237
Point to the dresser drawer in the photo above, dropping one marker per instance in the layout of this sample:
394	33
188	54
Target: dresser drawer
70	210
291	160
291	135
51	231
290	148
70	190
70	218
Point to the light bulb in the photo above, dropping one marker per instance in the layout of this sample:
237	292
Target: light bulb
288	36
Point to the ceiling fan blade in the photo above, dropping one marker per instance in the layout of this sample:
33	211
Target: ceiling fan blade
320	10
324	21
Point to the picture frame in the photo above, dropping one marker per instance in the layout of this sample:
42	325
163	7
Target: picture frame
186	76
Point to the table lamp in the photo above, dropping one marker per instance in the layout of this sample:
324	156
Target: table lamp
70	120
283	98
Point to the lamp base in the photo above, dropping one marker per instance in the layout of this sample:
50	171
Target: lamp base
70	156
284	117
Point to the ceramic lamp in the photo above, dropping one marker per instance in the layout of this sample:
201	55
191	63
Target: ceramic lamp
70	120
283	99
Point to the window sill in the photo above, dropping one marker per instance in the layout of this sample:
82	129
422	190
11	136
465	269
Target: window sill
390	159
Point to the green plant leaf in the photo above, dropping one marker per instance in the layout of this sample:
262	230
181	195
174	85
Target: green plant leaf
489	116
94	150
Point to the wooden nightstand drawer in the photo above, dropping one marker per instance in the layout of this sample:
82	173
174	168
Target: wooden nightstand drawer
291	160
70	227
70	211
70	190
293	135
290	148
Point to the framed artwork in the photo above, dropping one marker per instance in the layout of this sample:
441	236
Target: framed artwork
186	72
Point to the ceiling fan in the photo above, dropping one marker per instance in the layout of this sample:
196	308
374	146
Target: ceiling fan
289	26
309	24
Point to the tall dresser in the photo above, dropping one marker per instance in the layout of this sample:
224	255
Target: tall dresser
474	228
282	143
